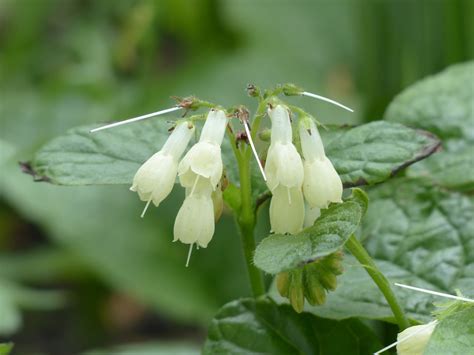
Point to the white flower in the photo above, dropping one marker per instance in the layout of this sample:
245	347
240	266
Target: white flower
419	335
155	179
322	185
204	159
284	171
287	210
283	165
311	215
195	219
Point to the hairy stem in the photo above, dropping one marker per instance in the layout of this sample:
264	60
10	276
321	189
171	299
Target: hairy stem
246	221
356	248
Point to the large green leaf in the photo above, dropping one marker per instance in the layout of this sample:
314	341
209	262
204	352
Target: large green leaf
281	252
248	326
366	154
419	236
373	152
442	104
453	335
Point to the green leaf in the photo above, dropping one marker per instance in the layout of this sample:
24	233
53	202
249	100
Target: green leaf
251	326
442	104
453	335
151	348
373	152
6	348
418	235
329	233
367	154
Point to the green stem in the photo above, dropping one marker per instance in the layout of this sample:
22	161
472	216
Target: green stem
356	248
246	221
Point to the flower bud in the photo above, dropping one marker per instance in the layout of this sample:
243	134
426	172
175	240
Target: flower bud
287	210
416	344
156	177
296	292
195	219
204	159
322	185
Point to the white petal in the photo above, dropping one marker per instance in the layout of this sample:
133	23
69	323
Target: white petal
203	159
179	139
281	125
311	215
416	344
283	166
287	210
195	220
155	178
311	143
214	127
322	184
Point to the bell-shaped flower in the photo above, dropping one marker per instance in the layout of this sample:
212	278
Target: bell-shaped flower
287	210
311	214
204	159
322	184
195	219
155	179
283	165
413	340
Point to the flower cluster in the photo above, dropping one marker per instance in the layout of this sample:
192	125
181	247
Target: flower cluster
199	172
293	179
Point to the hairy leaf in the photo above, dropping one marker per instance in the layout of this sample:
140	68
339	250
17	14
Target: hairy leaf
281	252
250	326
442	104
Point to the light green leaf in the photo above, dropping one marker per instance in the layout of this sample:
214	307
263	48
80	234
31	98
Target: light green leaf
6	348
453	335
419	236
329	233
442	104
248	326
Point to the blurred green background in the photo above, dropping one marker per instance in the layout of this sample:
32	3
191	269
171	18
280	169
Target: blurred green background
79	269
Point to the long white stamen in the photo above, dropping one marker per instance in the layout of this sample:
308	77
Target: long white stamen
135	119
194	186
249	136
407	337
319	97
435	293
189	254
146	207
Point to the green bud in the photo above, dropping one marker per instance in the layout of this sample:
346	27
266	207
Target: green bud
328	280
314	291
283	283
292	90
253	91
265	135
296	293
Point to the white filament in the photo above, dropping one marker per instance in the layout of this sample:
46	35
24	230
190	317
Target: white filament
322	98
249	136
435	293
146	207
189	254
135	119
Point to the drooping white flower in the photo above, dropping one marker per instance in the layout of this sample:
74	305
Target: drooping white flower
287	210
311	215
283	165
284	171
322	184
155	179
413	340
204	160
195	219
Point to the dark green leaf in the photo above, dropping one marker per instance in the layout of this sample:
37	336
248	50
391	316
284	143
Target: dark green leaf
442	104
329	233
262	327
453	335
419	236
